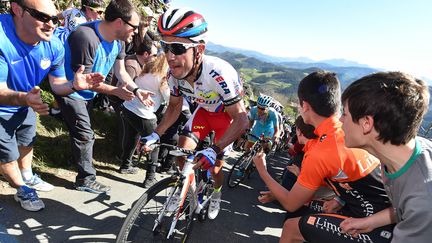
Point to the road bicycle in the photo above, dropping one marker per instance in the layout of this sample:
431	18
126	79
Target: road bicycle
167	210
243	167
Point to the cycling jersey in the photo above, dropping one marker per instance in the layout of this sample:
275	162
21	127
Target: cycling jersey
86	46
265	124
24	66
353	174
217	85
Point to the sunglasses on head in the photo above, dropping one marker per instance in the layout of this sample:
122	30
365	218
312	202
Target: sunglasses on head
43	17
134	27
177	48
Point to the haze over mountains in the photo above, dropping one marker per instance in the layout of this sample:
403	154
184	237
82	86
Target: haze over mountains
279	76
303	62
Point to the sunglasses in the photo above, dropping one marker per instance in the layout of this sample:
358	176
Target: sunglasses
100	12
261	108
177	48
134	27
43	17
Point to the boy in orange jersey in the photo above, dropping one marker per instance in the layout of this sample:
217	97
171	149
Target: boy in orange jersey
353	174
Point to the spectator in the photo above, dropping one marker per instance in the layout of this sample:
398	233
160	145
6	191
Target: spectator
134	64
99	46
141	120
29	52
304	132
382	114
353	174
144	32
90	10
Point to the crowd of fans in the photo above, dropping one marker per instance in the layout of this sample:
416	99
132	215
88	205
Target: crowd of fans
374	168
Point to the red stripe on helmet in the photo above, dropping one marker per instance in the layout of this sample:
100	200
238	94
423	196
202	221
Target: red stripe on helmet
180	25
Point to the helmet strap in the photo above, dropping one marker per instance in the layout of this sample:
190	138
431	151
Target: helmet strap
195	65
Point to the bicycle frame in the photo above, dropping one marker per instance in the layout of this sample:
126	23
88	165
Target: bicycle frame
187	178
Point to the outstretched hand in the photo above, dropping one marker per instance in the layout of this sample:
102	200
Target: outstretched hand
34	100
123	93
87	81
145	97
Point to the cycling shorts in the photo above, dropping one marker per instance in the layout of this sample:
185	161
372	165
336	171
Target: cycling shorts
202	122
325	228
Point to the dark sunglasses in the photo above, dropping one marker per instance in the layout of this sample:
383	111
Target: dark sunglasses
261	108
134	27
100	12
43	17
177	48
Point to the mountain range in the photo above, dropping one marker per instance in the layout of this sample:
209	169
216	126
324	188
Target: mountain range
347	70
280	76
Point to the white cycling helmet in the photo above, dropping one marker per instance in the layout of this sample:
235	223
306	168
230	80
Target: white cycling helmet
264	101
183	22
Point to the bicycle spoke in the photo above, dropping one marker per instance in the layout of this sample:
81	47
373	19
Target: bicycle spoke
139	224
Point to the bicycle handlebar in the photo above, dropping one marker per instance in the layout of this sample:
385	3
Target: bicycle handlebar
260	139
172	148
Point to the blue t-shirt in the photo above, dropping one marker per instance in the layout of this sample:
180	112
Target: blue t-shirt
86	46
24	66
263	124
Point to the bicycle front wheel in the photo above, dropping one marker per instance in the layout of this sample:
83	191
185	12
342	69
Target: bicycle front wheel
238	171
150	221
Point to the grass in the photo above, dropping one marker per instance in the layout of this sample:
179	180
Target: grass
52	148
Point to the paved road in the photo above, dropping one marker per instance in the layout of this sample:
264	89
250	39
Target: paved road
73	216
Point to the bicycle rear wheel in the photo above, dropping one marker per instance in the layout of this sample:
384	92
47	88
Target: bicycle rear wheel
238	170
139	223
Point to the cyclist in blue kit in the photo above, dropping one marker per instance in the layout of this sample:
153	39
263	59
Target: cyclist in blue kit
263	120
29	53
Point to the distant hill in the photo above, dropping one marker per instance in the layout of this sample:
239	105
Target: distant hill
300	60
282	78
279	77
347	71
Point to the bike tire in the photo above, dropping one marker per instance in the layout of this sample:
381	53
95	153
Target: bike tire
139	223
238	173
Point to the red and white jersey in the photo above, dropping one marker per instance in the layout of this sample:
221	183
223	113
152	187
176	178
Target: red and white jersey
217	85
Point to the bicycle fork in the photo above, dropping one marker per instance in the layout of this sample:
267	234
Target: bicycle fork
201	188
190	183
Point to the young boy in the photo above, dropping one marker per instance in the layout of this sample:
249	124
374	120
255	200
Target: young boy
353	174
382	114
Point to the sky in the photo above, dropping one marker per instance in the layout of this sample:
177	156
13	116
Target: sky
393	35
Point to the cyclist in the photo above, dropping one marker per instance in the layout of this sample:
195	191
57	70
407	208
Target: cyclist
353	174
210	82
263	120
382	113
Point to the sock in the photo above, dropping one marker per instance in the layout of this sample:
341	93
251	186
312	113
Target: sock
218	189
27	174
23	188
